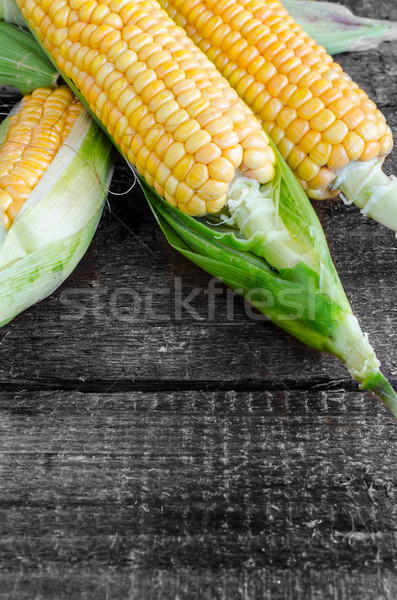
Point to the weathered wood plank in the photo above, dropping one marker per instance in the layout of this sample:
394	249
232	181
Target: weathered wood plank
263	584
162	495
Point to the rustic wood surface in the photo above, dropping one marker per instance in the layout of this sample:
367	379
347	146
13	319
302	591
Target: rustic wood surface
160	442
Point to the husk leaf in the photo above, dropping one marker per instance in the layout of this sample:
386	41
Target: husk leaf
336	28
23	66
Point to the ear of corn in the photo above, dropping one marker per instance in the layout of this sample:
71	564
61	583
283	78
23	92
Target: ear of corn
264	237
48	231
16	71
336	28
318	118
35	134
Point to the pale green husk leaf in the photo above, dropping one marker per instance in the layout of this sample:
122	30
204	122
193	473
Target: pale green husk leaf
294	299
52	232
336	28
10	13
23	66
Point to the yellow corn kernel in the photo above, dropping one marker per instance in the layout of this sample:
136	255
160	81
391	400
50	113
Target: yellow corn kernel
197	176
255	140
141	159
152	164
28	176
196	207
166	111
320	153
276	84
226	140
221	169
371	151
18	191
307	169
208	115
285	147
177	118
322	120
310	108
171	185
6	221
368	130
197	140
386	144
354	145
341	106
262	174
184	131
5	200
183	194
322	180
295	157
271	109
331	95
299	97
212	190
336	133
162	174
285	95
297	130
254	158
183	167
354	117
174	154
219	126
338	157
276	134
208	153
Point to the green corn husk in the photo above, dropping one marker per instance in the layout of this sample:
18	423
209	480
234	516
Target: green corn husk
336	28
55	227
309	305
305	299
21	66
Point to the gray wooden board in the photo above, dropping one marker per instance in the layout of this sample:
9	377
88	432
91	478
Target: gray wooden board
207	495
161	442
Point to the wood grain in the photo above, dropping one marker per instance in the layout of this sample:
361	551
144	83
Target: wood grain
168	495
155	450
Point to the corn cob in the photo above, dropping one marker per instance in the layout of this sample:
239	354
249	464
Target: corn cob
327	129
249	222
37	131
55	165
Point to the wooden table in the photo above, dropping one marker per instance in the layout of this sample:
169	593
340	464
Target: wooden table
159	442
